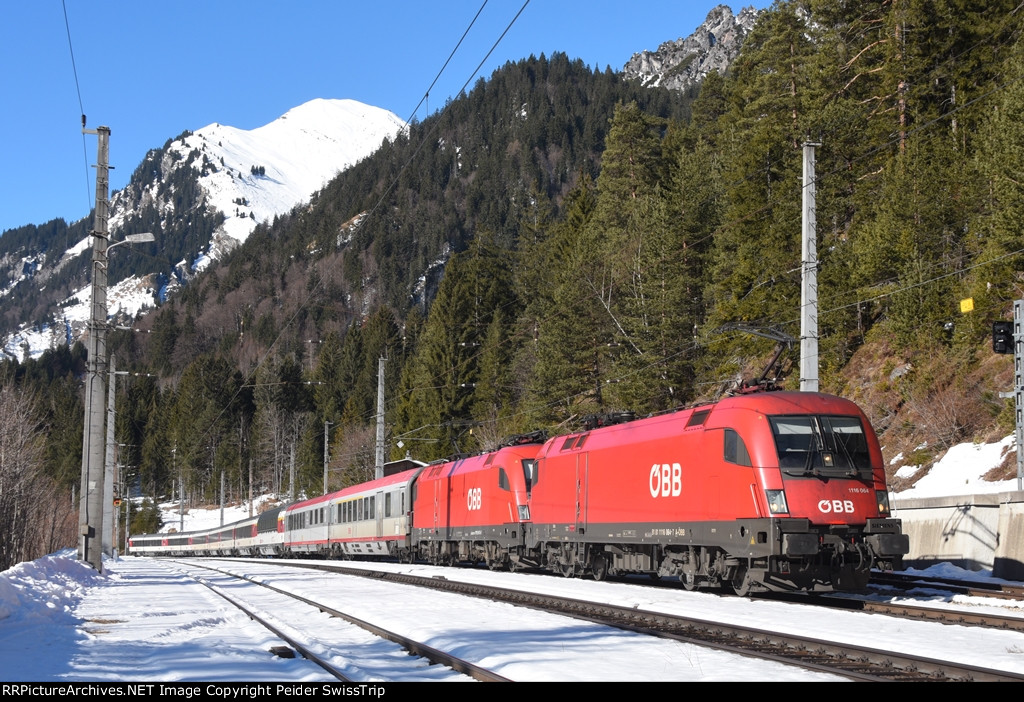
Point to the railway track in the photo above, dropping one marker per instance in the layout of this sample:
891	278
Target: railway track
962	615
946	616
907	582
853	662
408	646
293	643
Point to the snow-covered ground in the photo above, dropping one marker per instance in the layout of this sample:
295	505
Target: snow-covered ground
960	470
141	620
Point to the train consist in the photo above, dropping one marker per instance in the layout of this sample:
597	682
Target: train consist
777	491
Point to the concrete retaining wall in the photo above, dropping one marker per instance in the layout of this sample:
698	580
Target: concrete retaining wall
973	531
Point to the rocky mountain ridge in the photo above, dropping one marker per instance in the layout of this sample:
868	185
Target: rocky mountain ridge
682	63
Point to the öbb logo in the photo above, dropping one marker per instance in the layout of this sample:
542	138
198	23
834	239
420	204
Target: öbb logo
666	480
835	506
474	498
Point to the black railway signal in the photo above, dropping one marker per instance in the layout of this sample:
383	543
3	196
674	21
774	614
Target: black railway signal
1002	337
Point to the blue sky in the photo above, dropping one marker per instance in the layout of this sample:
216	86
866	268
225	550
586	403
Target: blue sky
150	70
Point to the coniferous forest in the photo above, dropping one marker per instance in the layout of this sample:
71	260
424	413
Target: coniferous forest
560	242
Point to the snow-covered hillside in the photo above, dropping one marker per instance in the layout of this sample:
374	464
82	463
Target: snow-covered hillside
252	176
249	176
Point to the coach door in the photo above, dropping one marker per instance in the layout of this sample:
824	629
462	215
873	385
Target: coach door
379	510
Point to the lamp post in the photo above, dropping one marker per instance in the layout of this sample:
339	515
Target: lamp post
93	444
94	447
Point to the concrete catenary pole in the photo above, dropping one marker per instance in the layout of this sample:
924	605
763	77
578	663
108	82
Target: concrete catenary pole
109	535
809	279
379	472
327	447
90	517
1018	385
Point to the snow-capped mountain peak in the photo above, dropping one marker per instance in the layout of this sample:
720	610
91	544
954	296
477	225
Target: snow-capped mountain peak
252	176
234	178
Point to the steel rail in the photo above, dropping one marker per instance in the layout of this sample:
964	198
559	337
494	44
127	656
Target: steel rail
300	648
852	661
418	648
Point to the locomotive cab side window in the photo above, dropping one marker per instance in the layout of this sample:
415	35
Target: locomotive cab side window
735	451
530	472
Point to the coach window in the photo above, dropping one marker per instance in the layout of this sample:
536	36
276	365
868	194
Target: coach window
735	449
373	508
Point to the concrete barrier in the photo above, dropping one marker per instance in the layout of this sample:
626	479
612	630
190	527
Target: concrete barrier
974	532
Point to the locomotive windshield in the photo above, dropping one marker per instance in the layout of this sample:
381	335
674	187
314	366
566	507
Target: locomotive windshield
822	445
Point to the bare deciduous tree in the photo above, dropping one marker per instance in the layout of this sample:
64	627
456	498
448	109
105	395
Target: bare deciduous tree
34	518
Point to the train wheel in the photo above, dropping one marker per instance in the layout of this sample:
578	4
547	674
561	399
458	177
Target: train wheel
742	583
599	568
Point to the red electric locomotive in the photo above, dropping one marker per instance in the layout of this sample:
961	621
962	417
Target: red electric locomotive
473	509
769	491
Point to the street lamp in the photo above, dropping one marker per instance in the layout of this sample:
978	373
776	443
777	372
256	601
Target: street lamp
91	506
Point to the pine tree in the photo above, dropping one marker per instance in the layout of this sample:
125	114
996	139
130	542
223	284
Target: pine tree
437	386
756	250
994	234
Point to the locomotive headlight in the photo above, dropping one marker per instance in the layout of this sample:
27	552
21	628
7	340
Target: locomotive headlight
524	512
777	501
882	496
